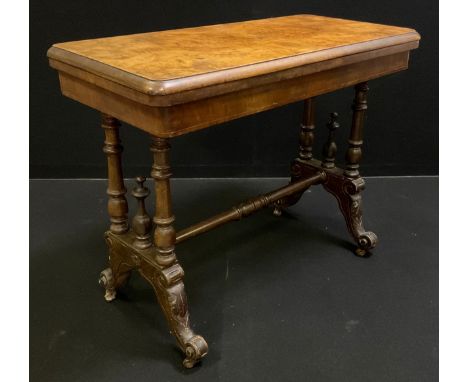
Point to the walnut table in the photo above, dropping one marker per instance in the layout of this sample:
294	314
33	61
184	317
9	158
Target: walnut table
175	82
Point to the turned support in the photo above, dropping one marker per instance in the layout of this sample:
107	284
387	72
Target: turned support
164	233
158	265
306	136
167	279
329	149
118	272
354	152
306	141
347	185
249	207
117	204
141	223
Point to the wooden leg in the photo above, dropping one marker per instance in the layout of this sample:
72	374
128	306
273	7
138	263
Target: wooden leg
329	149
116	275
117	204
167	277
348	194
306	136
348	188
354	153
306	141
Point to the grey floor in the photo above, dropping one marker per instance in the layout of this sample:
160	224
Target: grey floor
277	299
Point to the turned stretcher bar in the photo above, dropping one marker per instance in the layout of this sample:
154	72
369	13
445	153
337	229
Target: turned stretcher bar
248	207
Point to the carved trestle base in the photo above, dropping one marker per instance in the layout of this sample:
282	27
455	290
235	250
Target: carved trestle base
156	260
126	254
348	193
167	283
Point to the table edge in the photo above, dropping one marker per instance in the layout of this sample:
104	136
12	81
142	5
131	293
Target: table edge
152	87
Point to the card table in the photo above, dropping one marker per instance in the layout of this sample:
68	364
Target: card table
174	82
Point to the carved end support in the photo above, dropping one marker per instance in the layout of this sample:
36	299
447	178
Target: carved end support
106	280
352	209
121	265
170	289
167	280
348	193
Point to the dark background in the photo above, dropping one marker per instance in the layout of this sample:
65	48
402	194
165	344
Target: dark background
401	128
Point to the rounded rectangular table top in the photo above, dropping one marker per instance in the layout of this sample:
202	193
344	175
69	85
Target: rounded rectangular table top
174	61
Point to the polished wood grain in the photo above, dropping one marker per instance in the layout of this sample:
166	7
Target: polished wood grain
173	61
173	82
227	85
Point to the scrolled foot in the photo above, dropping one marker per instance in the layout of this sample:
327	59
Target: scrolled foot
366	242
195	349
348	192
106	280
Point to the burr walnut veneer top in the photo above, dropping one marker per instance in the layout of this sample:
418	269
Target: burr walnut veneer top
174	61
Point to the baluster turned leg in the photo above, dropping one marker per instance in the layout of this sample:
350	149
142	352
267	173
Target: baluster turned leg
306	141
329	149
117	274
306	136
166	279
141	223
354	152
347	189
117	203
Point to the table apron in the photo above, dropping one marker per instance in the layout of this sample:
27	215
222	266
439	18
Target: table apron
166	122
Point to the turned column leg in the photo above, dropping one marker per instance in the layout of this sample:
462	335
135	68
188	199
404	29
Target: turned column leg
164	234
166	279
354	152
348	188
330	149
117	203
306	141
306	136
116	275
